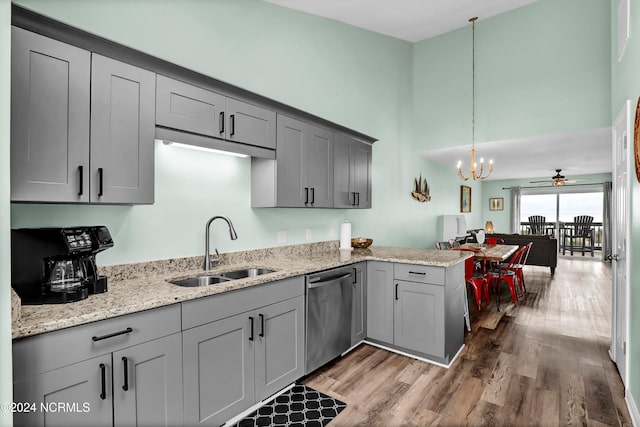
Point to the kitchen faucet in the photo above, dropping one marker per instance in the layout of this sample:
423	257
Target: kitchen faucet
208	261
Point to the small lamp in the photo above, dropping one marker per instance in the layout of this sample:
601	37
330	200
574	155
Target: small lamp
488	227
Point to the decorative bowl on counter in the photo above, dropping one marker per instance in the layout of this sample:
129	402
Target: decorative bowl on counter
361	242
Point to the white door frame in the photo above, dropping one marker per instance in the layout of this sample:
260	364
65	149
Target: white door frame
623	120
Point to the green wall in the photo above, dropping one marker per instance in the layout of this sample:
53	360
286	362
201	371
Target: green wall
541	69
626	85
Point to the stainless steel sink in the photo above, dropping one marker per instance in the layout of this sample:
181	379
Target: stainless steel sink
222	277
248	272
200	281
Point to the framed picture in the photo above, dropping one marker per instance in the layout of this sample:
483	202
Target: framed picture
465	198
496	204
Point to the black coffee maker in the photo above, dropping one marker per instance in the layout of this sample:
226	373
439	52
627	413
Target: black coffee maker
57	265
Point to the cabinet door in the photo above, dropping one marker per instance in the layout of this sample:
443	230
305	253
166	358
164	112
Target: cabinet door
362	174
419	317
279	346
292	189
343	193
250	124
76	395
319	167
122	132
190	108
380	301
147	383
50	84
218	369
359	312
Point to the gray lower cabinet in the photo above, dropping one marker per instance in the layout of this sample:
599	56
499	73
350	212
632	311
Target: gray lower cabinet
122	132
192	109
218	370
85	386
49	144
352	173
380	301
82	125
416	308
279	358
147	383
302	173
248	354
359	301
123	371
417	305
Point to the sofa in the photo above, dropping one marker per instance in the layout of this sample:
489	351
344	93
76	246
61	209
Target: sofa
544	251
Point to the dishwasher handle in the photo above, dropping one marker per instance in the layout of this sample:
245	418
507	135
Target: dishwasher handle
318	282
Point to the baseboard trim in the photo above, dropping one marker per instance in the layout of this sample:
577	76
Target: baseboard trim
633	409
413	356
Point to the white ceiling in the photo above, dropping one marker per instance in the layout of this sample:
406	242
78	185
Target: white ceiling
576	153
411	20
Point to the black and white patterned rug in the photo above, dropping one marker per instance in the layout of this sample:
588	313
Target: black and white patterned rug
301	406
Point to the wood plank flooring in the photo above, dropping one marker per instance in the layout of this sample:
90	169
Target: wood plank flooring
544	363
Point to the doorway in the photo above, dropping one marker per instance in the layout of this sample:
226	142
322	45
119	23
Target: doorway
560	207
620	237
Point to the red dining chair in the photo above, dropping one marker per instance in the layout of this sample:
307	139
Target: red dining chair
477	280
519	267
494	241
508	274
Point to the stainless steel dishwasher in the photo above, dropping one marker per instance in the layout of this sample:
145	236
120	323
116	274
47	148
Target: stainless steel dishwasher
329	305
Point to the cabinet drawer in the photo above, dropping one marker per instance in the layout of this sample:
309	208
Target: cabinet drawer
419	273
216	307
41	353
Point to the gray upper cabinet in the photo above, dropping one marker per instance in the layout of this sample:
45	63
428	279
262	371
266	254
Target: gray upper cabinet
82	125
49	119
250	124
189	108
122	132
302	173
352	173
192	109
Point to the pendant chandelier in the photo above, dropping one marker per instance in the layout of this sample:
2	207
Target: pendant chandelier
475	172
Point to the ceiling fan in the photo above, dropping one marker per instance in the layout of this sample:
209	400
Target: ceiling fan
559	180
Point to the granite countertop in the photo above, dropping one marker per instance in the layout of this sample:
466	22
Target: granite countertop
142	286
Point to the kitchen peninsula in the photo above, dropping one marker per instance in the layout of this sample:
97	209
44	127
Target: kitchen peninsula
251	329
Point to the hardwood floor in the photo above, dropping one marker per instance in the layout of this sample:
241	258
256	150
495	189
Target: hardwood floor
544	363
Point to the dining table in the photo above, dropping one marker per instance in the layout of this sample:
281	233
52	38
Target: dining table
494	254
